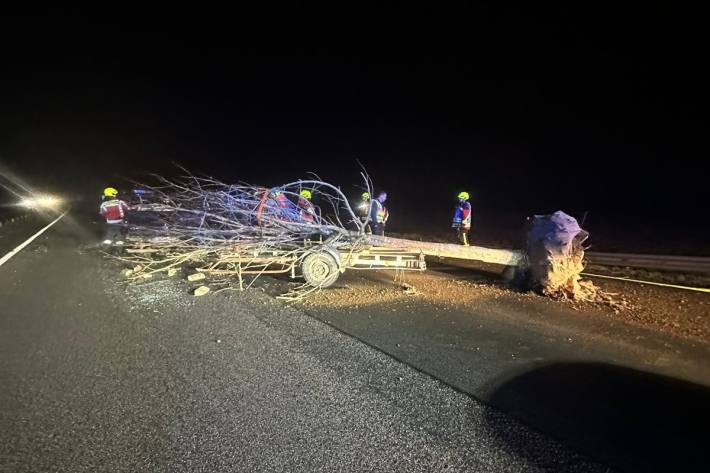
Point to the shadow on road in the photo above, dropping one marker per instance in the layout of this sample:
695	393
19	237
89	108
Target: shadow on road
629	419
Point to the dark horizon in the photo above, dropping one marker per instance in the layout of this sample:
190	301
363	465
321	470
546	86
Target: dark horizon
529	111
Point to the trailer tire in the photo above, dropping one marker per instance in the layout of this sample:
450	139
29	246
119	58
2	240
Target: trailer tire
320	270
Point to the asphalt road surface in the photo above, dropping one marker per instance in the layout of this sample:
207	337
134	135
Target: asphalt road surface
99	376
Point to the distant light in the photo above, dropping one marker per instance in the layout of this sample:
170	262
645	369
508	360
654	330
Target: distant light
41	202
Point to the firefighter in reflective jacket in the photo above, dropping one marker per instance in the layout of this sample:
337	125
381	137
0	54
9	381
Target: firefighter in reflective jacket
379	214
462	218
306	209
114	211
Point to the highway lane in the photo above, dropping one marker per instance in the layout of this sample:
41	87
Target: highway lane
97	376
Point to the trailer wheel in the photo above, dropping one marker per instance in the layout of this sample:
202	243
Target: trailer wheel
320	270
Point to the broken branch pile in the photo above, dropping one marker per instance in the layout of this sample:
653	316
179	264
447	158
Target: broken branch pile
226	229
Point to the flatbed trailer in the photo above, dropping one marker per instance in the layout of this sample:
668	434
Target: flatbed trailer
320	265
320	262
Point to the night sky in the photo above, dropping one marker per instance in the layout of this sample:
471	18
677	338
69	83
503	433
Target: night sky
531	111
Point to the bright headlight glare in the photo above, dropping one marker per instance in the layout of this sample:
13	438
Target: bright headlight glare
47	201
41	201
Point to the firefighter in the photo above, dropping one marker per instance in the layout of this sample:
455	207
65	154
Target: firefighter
379	214
114	210
306	209
363	211
462	218
364	205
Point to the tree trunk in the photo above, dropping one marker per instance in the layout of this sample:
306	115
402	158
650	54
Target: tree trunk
446	250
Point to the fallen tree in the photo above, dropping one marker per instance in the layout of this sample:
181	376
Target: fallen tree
233	230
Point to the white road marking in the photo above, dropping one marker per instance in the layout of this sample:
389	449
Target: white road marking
675	286
5	258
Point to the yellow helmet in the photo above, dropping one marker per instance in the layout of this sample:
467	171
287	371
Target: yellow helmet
365	196
306	194
110	192
463	195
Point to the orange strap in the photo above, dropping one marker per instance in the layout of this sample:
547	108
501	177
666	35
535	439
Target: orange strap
260	208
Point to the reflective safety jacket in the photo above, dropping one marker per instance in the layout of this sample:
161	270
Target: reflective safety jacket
378	212
114	210
306	209
281	207
462	215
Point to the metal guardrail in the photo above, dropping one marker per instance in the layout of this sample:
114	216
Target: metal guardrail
688	264
8	219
